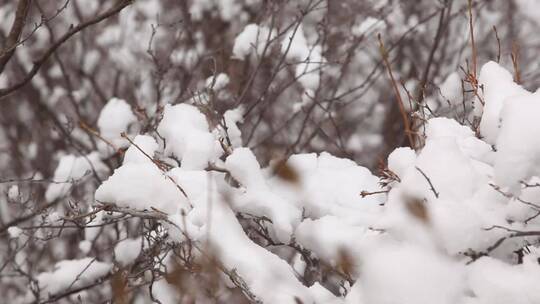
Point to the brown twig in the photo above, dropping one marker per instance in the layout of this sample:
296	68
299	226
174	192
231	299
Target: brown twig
91	131
515	62
429	182
158	164
436	42
498	44
404	114
473	44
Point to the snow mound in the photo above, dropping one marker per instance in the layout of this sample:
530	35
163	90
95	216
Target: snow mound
70	274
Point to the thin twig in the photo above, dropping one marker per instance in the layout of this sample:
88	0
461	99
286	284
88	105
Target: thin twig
404	114
72	31
15	33
429	182
158	164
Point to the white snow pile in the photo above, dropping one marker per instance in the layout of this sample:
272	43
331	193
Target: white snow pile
497	87
13	193
115	118
253	39
308	58
14	232
451	89
72	273
187	135
70	170
217	82
232	118
127	251
448	227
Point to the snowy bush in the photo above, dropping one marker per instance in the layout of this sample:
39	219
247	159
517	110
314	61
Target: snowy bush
187	166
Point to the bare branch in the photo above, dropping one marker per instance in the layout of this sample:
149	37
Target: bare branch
15	33
72	31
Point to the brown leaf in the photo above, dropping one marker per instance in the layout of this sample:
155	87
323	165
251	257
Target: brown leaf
345	262
286	172
119	288
417	209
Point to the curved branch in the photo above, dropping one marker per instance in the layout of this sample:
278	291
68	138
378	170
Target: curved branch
72	31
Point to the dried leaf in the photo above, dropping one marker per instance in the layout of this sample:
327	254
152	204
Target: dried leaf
345	262
119	288
286	172
417	209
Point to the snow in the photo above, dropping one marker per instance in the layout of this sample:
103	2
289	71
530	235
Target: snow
187	136
70	169
497	87
309	60
257	266
115	117
417	240
221	231
141	186
253	38
400	160
394	273
330	238
450	171
53	217
451	89
518	144
323	295
258	199
368	26
185	58
85	246
308	72
69	274
329	185
13	193
202	190
217	82
127	251
229	9
147	144
165	292
14	232
295	45
496	282
232	118
244	168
